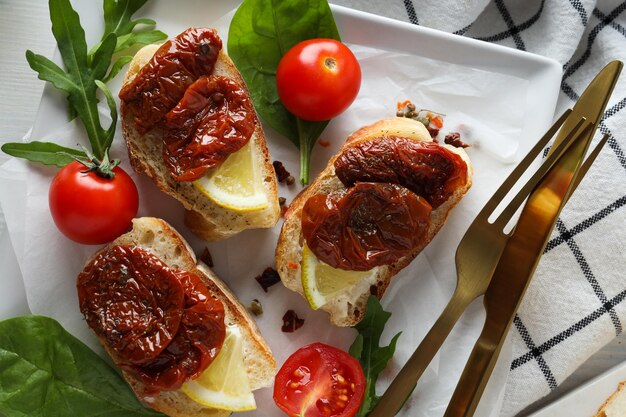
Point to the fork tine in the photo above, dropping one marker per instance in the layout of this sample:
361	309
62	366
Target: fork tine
589	161
572	136
505	188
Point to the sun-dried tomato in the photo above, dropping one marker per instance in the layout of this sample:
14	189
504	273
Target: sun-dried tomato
454	139
291	322
426	168
268	278
160	324
132	301
161	83
367	225
197	343
214	118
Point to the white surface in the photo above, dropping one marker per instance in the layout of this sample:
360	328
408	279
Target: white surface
25	25
588	398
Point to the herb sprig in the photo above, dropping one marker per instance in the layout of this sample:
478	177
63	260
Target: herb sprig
373	357
261	32
85	74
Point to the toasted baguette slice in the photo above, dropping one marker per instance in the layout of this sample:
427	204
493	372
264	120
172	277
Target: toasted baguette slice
204	217
615	405
348	308
159	238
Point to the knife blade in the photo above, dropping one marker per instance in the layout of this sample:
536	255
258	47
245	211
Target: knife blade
526	245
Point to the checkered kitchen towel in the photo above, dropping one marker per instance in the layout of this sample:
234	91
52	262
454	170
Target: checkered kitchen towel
577	300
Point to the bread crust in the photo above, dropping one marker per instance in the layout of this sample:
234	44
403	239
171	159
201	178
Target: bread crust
162	240
205	218
604	409
349	308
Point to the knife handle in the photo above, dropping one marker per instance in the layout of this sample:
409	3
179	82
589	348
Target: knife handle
403	385
478	370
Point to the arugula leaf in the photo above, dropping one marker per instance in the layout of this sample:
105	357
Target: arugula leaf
117	67
117	20
78	81
366	348
47	153
261	32
48	372
85	73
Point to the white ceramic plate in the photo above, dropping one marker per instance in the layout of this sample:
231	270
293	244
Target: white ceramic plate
530	109
585	400
542	73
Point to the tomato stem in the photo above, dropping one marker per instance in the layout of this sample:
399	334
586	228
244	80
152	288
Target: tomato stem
305	153
103	169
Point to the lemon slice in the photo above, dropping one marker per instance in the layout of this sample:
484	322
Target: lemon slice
224	384
322	282
236	184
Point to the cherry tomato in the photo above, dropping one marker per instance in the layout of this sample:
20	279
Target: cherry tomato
319	381
90	209
318	79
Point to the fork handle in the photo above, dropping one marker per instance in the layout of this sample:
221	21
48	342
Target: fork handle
479	367
403	385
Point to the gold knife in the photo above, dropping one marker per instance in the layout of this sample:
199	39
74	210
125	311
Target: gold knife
526	245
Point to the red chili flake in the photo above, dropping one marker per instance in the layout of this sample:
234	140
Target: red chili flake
324	143
281	172
454	139
206	257
292	265
268	278
283	209
291	322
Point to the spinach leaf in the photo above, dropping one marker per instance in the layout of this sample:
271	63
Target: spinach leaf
45	371
47	153
261	32
366	348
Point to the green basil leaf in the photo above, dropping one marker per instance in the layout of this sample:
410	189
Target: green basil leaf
48	372
47	153
366	348
261	32
117	67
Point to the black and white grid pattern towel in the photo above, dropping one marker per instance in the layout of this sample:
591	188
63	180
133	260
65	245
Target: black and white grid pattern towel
577	300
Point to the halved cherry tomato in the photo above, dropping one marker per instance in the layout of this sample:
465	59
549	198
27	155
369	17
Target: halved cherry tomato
318	79
90	209
319	380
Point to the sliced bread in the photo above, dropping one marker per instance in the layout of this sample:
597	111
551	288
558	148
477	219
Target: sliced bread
160	239
348	307
204	217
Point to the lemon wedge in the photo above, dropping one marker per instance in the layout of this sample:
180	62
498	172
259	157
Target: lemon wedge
322	282
224	384
236	184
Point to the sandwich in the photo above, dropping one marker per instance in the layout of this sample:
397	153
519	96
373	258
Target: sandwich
189	124
368	214
182	340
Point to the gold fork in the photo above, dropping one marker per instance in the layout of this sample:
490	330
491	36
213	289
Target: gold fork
476	258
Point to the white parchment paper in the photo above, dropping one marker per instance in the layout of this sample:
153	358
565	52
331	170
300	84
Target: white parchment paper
487	108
